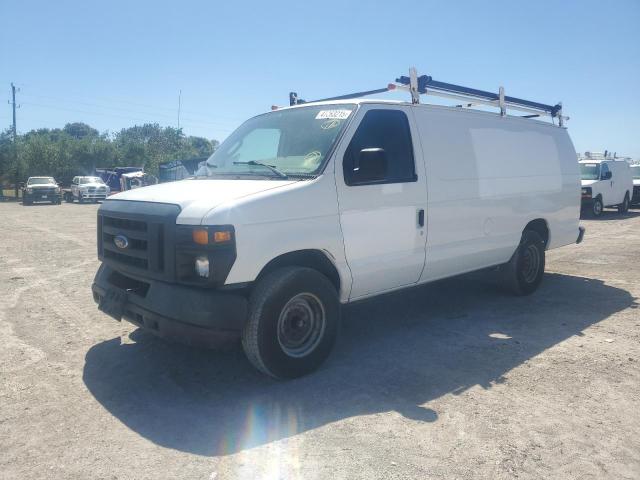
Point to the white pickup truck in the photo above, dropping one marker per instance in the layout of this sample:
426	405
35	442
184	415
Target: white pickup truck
86	189
307	208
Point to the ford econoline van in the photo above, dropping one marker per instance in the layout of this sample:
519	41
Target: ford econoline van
304	209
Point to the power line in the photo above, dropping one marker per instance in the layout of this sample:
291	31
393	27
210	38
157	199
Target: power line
126	110
145	106
127	117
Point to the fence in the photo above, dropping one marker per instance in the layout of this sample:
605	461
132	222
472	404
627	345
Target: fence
8	193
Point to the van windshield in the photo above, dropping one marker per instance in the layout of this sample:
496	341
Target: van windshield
635	171
40	181
291	142
589	171
90	180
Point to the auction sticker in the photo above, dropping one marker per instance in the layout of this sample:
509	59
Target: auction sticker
332	114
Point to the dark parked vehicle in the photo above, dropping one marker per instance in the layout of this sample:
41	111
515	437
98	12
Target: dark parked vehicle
41	189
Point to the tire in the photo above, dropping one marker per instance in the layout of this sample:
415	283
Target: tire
597	207
624	206
27	202
273	339
80	199
68	197
523	273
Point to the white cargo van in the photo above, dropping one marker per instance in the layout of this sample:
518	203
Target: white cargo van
605	183
635	173
306	208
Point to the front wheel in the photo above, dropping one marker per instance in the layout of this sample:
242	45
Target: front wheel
597	207
523	273
624	206
80	199
294	316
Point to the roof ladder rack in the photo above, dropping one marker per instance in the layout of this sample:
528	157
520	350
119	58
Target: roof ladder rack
425	85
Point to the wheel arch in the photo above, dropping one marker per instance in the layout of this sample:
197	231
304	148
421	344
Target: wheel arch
541	227
310	258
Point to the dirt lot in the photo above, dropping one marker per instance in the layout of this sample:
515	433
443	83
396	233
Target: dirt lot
451	380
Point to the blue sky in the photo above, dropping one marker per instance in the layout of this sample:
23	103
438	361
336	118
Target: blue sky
118	63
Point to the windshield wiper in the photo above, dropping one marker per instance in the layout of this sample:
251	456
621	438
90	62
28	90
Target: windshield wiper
270	167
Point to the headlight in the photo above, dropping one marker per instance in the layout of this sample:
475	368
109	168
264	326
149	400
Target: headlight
202	266
29	190
586	191
57	190
204	255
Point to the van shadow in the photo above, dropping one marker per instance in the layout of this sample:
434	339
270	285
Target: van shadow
610	214
396	353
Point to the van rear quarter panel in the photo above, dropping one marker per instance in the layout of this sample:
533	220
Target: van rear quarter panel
487	177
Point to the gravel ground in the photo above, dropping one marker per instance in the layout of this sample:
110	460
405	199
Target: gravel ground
452	380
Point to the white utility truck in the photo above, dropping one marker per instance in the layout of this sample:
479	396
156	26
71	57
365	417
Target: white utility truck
86	189
635	173
307	208
606	182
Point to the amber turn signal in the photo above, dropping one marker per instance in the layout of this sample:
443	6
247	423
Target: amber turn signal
221	237
201	237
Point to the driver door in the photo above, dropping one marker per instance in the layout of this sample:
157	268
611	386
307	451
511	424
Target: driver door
382	219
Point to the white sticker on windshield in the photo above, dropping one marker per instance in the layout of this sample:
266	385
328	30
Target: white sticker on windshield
332	114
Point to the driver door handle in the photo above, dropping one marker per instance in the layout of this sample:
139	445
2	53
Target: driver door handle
421	217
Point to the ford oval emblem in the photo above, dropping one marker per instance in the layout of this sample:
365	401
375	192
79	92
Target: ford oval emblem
121	241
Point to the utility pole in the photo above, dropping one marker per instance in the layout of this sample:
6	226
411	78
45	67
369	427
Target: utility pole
15	137
179	105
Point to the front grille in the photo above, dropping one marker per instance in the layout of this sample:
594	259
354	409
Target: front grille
146	230
136	252
44	191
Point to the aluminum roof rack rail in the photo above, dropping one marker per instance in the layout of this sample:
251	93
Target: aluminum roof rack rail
294	100
425	85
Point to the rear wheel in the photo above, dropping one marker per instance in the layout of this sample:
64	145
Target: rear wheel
624	206
523	273
597	207
294	315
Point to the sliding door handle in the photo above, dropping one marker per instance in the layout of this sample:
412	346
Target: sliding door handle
421	217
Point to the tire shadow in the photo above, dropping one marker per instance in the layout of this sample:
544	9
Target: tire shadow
396	353
610	214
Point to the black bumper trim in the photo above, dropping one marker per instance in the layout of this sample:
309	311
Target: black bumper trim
189	314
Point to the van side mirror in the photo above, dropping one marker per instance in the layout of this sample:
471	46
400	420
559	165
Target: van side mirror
371	165
606	176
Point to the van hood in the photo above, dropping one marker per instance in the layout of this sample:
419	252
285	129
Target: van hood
199	196
586	183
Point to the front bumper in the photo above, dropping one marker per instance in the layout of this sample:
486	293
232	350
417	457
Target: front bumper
42	197
586	201
94	196
191	315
